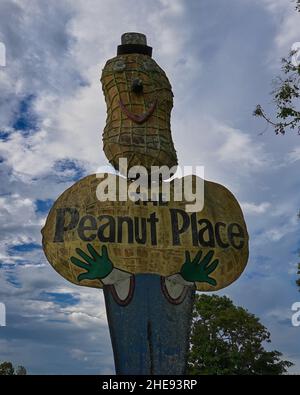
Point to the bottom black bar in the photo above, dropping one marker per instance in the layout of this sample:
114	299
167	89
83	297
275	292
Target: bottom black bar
129	384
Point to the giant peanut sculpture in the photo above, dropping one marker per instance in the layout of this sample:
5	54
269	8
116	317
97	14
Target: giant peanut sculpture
148	256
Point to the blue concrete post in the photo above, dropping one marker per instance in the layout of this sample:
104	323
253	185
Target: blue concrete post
150	332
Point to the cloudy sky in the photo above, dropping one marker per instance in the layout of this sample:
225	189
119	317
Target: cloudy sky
221	57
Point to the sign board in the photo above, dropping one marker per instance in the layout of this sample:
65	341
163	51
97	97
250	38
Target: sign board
147	237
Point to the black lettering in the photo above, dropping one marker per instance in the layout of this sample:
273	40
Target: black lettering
110	225
162	201
208	228
82	228
219	240
153	220
194	229
239	233
129	222
61	227
137	221
176	231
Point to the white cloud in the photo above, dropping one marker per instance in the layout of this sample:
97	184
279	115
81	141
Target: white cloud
230	156
287	25
277	233
72	119
252	208
57	54
294	155
239	149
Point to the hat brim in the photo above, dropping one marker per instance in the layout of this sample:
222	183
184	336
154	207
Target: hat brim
134	48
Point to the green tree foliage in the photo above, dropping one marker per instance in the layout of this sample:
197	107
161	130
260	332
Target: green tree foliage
228	340
7	369
285	96
298	272
21	371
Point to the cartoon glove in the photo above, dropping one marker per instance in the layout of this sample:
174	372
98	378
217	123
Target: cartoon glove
199	270
96	266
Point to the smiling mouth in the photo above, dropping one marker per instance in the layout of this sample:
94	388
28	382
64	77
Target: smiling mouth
138	118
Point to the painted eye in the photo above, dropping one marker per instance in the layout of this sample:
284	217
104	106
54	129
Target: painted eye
119	65
148	65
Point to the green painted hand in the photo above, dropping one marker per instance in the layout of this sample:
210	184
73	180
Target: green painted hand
96	266
197	270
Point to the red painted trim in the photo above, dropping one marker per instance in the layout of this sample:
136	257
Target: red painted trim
126	301
136	117
178	300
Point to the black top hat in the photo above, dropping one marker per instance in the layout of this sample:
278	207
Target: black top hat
134	43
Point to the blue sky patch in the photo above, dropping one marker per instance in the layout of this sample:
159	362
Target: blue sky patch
4	136
62	299
23	248
43	206
68	170
25	119
12	279
222	66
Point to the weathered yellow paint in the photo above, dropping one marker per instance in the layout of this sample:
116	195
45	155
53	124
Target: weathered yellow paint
165	258
148	143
